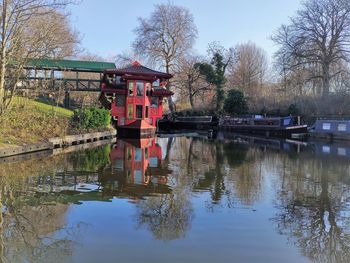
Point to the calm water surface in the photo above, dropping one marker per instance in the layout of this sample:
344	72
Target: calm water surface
183	199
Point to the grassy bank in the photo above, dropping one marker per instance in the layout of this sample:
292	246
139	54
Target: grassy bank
29	121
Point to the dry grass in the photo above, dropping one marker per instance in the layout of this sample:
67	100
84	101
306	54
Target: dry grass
29	121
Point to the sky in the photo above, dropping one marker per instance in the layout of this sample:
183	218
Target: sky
106	26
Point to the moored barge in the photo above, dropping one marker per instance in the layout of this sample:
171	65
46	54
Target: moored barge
189	123
269	127
331	129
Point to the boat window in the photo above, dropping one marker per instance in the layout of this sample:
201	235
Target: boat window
286	121
342	127
130	111
326	126
122	121
131	88
139	111
139	88
156	83
326	149
146	114
138	154
154	102
148	89
342	151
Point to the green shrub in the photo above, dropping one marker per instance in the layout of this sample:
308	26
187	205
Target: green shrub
236	103
91	118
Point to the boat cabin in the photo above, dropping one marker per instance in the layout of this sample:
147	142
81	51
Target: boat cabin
271	126
134	95
331	129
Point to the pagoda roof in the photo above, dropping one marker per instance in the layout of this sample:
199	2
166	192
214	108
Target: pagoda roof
162	92
137	69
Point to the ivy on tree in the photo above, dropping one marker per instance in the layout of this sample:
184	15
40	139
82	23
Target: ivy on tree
215	71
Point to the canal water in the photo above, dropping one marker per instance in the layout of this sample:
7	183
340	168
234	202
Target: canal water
180	199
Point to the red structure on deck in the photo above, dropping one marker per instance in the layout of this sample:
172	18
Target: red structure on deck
134	95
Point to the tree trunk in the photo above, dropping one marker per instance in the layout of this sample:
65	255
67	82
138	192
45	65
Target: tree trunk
219	98
2	86
3	57
190	94
191	100
325	80
170	100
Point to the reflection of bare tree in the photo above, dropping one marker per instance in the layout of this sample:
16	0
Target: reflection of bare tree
33	204
27	219
167	216
247	177
31	239
236	174
25	230
168	149
314	210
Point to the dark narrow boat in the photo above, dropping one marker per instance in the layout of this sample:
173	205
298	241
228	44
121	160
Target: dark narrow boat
269	127
331	129
189	123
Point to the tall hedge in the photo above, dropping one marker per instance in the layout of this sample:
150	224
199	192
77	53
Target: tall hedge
91	118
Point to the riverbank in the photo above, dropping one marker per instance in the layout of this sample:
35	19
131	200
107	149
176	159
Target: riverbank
32	122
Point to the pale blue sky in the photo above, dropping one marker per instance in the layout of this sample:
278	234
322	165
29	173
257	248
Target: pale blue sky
106	26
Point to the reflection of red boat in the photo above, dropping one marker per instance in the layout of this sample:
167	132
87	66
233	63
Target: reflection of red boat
139	161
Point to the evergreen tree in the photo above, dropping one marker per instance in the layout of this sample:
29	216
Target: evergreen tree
236	103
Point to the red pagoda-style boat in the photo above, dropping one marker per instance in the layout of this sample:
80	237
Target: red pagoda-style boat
134	95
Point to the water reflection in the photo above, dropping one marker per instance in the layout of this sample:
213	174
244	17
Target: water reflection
135	170
301	189
26	224
313	208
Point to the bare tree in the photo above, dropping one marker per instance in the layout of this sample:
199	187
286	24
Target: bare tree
317	37
167	35
249	69
28	29
126	58
55	37
188	79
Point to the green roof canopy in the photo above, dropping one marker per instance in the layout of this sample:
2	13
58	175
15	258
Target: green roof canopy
69	65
